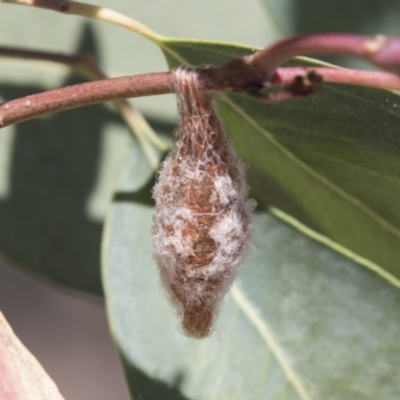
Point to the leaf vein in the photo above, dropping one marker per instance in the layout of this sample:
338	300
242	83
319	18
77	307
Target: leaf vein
265	332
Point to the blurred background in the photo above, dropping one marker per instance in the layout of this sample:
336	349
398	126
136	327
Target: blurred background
68	335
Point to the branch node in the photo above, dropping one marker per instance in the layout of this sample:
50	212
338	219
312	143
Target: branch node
64	7
308	83
374	44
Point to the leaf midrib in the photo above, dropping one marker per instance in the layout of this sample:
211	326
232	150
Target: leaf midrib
250	311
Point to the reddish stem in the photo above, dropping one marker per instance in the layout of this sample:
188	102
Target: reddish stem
380	50
62	99
379	80
83	94
83	64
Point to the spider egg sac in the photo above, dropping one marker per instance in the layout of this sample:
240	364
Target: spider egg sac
202	222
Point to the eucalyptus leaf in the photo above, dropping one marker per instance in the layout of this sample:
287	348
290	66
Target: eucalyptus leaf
332	160
301	321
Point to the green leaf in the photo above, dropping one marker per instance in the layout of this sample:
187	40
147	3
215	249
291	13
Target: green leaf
301	321
332	161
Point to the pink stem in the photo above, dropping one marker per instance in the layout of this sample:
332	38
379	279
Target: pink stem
83	94
380	50
83	64
379	80
62	99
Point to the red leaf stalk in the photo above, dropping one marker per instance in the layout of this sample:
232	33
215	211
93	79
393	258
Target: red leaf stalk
383	51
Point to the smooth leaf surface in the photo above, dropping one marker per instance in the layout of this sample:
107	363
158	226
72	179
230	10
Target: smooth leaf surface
332	161
301	322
